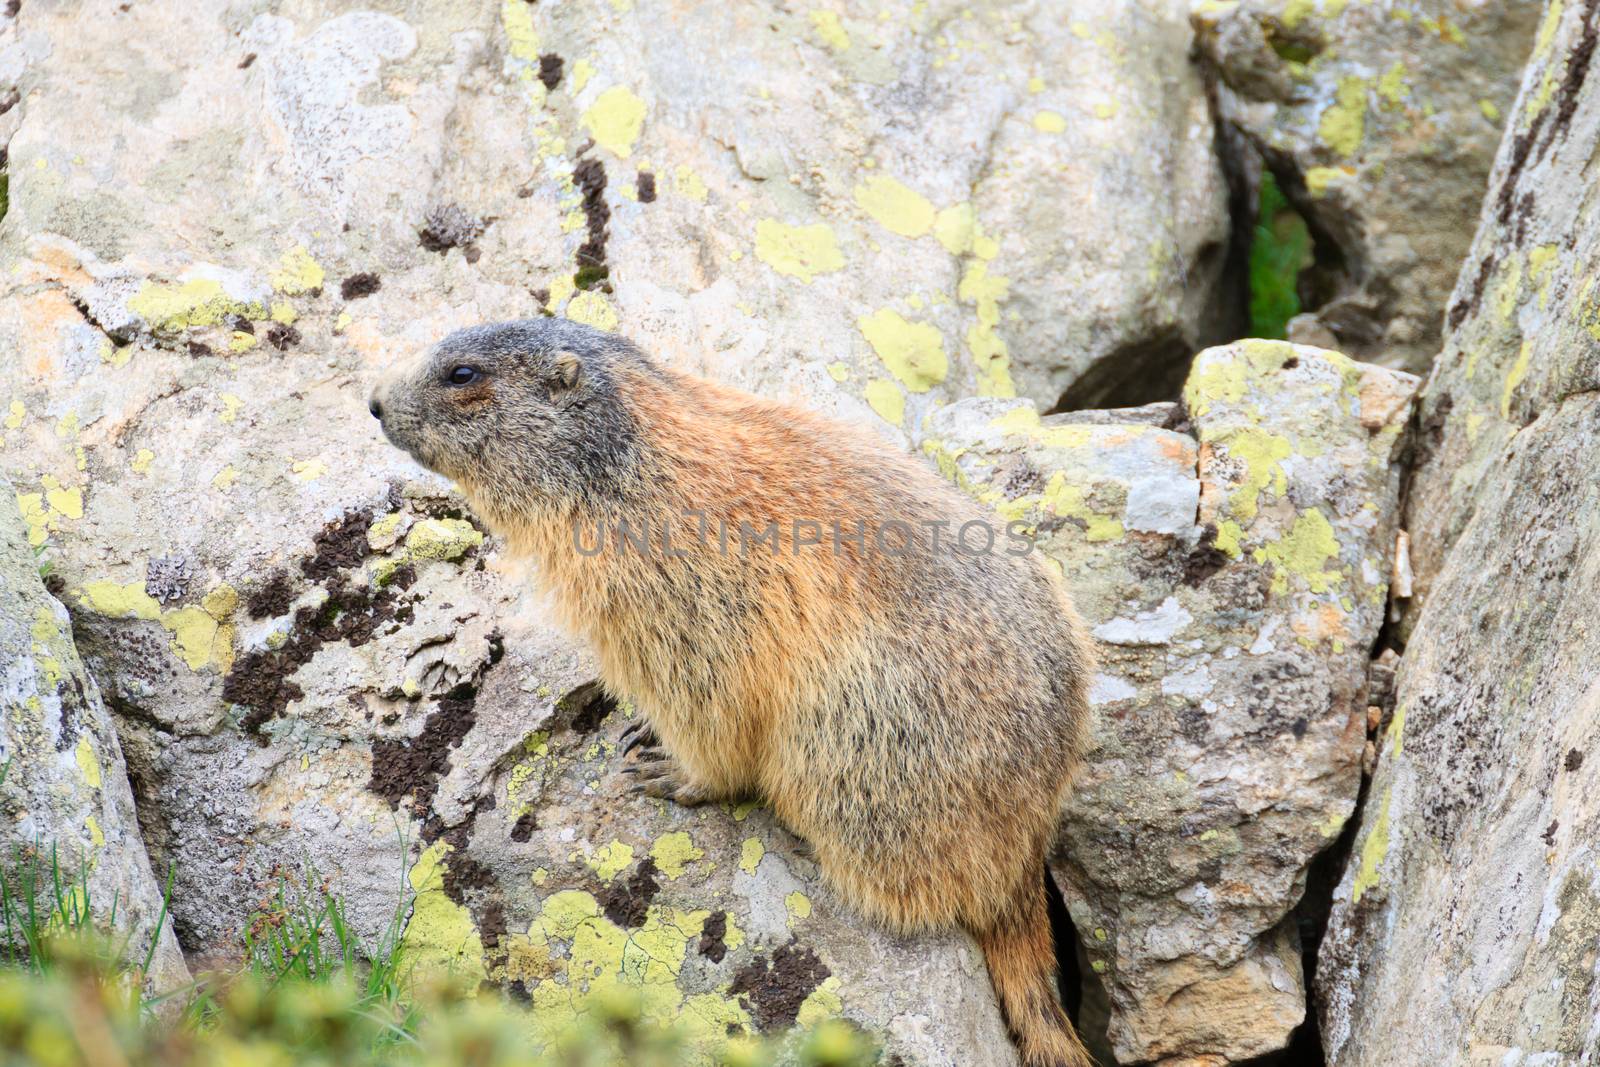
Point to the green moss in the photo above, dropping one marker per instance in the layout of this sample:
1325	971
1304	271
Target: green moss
1281	249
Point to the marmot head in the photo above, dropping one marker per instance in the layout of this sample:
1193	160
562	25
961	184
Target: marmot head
520	414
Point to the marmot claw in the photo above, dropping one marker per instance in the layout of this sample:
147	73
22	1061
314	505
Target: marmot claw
638	735
656	774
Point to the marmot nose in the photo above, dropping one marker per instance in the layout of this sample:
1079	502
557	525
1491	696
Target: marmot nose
375	407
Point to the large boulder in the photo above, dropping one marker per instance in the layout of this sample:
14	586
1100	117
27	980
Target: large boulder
1465	927
64	795
1380	122
222	222
1235	571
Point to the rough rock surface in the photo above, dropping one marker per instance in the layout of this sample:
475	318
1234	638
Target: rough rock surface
1465	927
63	785
223	221
1380	121
1235	572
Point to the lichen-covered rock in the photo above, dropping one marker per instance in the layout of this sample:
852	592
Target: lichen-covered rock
222	223
1465	926
1380	121
63	786
1235	574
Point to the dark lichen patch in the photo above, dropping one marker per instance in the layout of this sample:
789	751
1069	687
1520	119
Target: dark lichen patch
627	902
272	599
340	545
448	226
550	66
71	711
714	937
522	830
590	177
259	679
412	766
1206	559
645	186
197	349
281	335
1577	69
360	284
773	990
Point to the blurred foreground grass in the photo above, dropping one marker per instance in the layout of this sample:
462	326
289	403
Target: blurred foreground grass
308	992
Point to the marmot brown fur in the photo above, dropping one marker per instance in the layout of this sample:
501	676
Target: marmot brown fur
800	612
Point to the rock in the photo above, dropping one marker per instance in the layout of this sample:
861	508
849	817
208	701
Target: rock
63	785
1465	924
314	657
1236	578
1380	122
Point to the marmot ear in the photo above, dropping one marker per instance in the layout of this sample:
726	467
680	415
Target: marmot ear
566	369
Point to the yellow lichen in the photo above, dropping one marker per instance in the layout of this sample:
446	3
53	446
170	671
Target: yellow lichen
1305	551
1343	124
1547	28
308	470
197	302
1261	453
1049	122
830	30
517	17
297	273
689	184
442	539
798	905
955	228
1397	730
885	398
912	351
750	853
591	308
895	206
990	354
799	251
615	120
673	852
610	859
1519	371
1063	498
1373	851
88	763
1392	87
440	937
1320	179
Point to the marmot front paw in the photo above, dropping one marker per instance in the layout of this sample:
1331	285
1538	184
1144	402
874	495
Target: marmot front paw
656	774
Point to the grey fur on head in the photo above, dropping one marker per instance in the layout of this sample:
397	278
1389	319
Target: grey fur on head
525	412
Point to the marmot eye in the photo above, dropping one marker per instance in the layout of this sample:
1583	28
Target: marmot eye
462	375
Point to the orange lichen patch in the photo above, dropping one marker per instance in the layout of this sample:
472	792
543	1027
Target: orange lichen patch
52	262
44	314
1178	448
